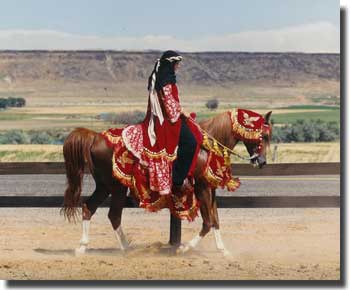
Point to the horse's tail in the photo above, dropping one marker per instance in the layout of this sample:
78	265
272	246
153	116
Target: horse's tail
76	152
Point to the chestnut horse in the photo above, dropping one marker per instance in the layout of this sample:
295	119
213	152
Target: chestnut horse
85	147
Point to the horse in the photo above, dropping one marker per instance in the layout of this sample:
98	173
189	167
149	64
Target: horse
86	147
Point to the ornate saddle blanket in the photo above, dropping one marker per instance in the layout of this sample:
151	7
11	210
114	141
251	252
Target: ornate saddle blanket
128	169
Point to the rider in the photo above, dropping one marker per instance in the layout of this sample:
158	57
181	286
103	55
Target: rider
166	133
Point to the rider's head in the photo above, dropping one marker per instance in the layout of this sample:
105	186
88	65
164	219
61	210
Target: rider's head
171	59
164	69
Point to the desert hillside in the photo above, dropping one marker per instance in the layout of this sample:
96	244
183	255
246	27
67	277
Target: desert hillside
199	68
121	75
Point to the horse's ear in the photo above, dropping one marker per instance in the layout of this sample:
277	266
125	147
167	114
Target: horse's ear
267	117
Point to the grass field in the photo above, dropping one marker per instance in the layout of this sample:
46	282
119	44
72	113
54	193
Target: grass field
69	105
69	117
286	153
324	115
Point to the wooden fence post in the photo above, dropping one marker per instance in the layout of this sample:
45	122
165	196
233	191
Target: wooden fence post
175	231
274	154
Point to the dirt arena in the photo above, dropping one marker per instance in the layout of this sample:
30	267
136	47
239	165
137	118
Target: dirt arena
274	244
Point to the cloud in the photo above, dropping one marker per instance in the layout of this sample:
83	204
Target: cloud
314	37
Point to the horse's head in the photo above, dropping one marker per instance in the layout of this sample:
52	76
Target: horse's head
257	150
253	129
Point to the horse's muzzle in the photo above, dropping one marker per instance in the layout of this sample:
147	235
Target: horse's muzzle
259	161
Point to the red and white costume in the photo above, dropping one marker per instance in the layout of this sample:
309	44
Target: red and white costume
154	141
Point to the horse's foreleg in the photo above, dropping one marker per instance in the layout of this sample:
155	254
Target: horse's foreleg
115	216
123	242
219	242
88	210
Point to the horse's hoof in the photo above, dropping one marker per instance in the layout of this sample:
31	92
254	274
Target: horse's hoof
80	251
183	249
226	253
125	247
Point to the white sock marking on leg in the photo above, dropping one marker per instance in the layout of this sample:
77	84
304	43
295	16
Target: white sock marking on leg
218	240
219	243
121	238
85	237
194	242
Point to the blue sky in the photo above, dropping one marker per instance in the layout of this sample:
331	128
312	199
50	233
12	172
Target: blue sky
191	25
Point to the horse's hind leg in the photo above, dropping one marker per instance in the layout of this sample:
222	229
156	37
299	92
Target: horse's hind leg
88	210
118	202
219	242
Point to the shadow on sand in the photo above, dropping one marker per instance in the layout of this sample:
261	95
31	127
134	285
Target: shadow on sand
71	252
155	249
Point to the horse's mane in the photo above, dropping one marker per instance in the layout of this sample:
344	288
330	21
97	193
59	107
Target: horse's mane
220	128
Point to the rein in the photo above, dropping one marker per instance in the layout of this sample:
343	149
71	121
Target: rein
227	150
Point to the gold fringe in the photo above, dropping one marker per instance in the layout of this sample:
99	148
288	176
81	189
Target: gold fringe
160	154
211	177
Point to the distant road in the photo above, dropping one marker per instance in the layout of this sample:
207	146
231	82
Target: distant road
251	186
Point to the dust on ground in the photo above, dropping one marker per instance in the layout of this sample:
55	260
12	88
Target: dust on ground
273	244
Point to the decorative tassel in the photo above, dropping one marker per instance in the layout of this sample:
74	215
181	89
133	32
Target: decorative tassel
233	184
227	158
216	148
206	142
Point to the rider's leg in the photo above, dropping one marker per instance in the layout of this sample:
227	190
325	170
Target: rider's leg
187	147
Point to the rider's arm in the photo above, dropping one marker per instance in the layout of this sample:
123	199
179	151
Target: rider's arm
171	103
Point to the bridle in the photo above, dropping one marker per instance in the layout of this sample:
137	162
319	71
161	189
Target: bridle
240	132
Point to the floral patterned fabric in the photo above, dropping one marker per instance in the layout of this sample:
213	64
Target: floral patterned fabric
146	168
160	156
171	103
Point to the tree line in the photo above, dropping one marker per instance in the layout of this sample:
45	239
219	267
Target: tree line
33	137
306	131
12	102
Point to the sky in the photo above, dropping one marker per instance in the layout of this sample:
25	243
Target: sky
184	25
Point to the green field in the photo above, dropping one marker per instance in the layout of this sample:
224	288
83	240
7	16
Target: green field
312	107
327	115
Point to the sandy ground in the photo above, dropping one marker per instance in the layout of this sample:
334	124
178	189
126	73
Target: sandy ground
275	244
